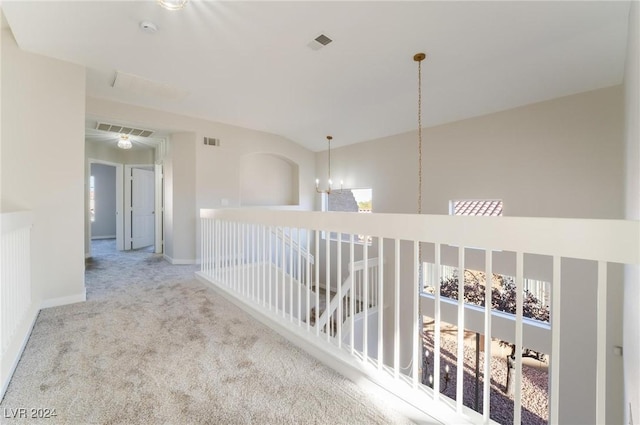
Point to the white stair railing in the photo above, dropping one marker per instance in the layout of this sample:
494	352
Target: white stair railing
544	248
17	308
353	286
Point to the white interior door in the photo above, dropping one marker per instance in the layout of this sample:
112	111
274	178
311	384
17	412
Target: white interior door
142	208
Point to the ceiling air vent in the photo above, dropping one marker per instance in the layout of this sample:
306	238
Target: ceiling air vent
319	42
323	39
124	130
210	141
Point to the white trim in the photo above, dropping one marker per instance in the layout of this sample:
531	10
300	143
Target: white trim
589	239
179	261
17	349
94	238
60	301
159	207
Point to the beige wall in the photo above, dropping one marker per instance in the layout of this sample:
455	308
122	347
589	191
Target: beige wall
180	198
267	180
42	165
560	158
104	152
632	277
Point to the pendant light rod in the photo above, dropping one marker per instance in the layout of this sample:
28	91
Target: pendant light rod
419	57
329	188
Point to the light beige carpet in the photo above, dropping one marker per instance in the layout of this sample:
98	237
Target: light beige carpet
154	346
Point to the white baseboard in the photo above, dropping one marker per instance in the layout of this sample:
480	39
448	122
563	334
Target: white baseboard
71	299
93	238
11	357
179	261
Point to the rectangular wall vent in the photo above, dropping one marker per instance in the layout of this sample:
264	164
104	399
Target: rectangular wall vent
124	130
210	141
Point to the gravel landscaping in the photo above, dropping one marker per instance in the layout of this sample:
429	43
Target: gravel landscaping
534	383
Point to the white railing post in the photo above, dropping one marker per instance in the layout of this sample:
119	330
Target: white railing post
254	263
317	285
488	300
460	354
554	361
308	280
437	324
291	273
339	291
351	298
601	345
327	280
517	393
365	301
271	268
203	237
267	265
283	275
299	276
380	302
396	312
415	293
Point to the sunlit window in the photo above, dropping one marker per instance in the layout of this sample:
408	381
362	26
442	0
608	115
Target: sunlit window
349	200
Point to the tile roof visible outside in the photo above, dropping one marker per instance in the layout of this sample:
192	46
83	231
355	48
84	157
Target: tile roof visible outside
478	207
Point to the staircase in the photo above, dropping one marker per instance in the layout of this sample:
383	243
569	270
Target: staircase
353	309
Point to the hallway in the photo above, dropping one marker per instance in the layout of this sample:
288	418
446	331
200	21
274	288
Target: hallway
153	345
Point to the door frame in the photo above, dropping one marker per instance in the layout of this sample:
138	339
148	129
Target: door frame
119	201
159	208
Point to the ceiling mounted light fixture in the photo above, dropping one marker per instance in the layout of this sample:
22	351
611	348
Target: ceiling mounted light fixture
329	182
124	142
173	4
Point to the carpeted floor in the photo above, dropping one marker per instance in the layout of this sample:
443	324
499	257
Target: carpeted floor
153	346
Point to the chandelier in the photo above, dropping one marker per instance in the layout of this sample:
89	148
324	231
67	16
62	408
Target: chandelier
329	182
124	142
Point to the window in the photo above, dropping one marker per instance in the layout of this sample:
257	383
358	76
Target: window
349	200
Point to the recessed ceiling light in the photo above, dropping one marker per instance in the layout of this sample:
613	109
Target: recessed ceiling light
149	27
172	4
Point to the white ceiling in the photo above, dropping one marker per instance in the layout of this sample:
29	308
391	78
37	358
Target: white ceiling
250	64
